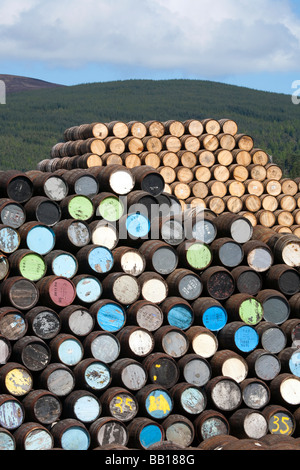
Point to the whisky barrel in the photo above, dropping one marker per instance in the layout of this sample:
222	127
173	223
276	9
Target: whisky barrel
217	442
108	430
244	142
110	158
12	213
271	337
168	173
154	287
177	312
115	178
71	434
281	422
258	255
218	282
253	186
9	239
85	131
42	406
129	373
110	315
28	264
61	263
209	142
12	413
94	259
235	188
239	337
119	403
275	306
216	188
58	379
209	313
247	280
195	369
159	256
150	159
136	128
184	174
232	225
46	184
82	405
88	288
5	349
194	255
78	207
19	292
136	342
92	375
238	172
248	424
283	278
252	203
211	126
229	364
71	235
169	159
104	233
66	348
171	143
101	345
7	440
227	252
244	307
220	173
285	389
202	341
193	127
256	393
228	126
263	365
129	260
144	432
259	156
155	402
224	394
266	218
77	320
56	291
161	369
210	423
15	185
171	340
184	283
290	329
189	400
33	436
145	314
286	250
143	201
15	379
289	358
179	430
13	323
121	287
273	171
257	172
33	352
37	237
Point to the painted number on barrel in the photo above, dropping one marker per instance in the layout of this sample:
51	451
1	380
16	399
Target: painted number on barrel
281	424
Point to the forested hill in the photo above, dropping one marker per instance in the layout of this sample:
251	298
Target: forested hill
31	122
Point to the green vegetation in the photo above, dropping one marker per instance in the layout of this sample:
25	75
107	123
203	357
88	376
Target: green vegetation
32	122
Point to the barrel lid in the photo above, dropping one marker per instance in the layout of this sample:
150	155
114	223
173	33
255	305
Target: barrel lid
11	414
40	239
198	255
81	207
111	208
137	225
215	318
111	316
13	214
246	338
56	188
193	400
88	289
100	259
9	239
65	265
32	266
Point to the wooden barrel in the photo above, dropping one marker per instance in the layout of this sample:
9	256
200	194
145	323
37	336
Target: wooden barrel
227	252
229	364
81	181
13	323
209	142
12	413
244	142
235	188
285	389
82	405
71	234
179	430
266	218
161	369
259	156
217	442
15	185
159	256
226	141
224	394
289	358
144	432
108	430
108	206
258	255
281	422
28	264
66	348
77	320
210	423
121	287
239	337
272	338
209	313
273	171
43	322
77	207
101	345
184	283
234	226
56	291
7	440
150	159
9	239
177	312
110	315
154	287
244	307
57	378
42	406
263	364
33	436
52	186
286	250
71	434
238	172
195	369
33	352
104	233
94	259
129	373
119	403
202	341
283	278
155	402
19	292
256	393
37	237
15	379
248	424
136	342
88	288
145	314
290	329
92	374
275	306
194	255
171	340
12	213
61	263
247	280
188	399
218	282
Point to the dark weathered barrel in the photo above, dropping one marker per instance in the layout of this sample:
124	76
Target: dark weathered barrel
12	213
291	330
172	230
148	179
234	226
227	252
128	373
143	201
33	352
42	406
239	337
263	364
66	348
7	440
47	184
92	374
202	341
136	342
171	340
275	306
88	288
244	307
16	185
72	234
155	402
5	349
224	394
12	412
58	379
71	434
188	399
81	181
121	287
43	322
256	393
94	259
159	256
179	430
289	359
161	369
211	423
110	315
247	280
108	206
229	364
77	207
15	379
129	260
44	210
258	255
77	320
83	406
115	178
194	255
195	370
217	442
108	430
184	283
218	282
283	278
9	239
246	423
102	345
33	436
119	403
19	292
13	323
145	314
271	336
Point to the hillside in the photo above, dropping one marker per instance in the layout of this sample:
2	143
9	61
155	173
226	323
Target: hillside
14	83
32	122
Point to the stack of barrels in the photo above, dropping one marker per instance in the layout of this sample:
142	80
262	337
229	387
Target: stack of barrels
128	323
206	163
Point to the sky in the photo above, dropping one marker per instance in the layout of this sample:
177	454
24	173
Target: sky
249	43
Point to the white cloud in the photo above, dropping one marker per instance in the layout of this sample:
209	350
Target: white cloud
196	36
